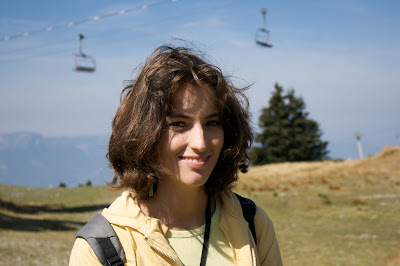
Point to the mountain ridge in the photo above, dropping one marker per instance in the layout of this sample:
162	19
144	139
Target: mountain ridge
31	159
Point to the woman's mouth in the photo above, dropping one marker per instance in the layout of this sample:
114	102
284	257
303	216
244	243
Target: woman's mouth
195	161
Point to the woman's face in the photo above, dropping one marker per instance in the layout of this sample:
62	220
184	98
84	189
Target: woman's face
193	137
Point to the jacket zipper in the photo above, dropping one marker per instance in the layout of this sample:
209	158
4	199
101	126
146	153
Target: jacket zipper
162	252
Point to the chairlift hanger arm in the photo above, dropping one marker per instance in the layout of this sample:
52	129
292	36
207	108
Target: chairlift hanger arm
264	14
84	62
262	34
80	38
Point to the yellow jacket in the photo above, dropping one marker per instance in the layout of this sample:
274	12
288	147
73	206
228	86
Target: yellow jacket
144	243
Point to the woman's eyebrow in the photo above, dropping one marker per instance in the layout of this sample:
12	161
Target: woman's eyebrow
178	115
212	115
181	115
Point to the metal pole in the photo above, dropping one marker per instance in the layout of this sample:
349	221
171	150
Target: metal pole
264	12
360	150
80	37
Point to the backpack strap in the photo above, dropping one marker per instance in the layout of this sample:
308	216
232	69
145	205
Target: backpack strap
102	238
249	211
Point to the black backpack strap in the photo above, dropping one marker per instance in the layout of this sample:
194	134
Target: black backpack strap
102	238
249	211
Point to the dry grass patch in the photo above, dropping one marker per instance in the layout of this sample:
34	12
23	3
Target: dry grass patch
359	201
392	260
382	168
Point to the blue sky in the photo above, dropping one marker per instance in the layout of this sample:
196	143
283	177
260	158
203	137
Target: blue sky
342	57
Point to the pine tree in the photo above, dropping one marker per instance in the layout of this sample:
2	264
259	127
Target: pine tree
287	132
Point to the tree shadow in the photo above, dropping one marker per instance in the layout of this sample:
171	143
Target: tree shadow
9	221
32	209
35	225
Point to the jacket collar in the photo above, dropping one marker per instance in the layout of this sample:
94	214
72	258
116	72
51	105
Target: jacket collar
125	212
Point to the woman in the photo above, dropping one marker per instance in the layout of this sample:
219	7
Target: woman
178	140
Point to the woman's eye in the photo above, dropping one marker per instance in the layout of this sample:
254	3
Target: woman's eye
177	124
213	123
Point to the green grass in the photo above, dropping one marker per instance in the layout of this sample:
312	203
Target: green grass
38	226
68	197
356	222
319	226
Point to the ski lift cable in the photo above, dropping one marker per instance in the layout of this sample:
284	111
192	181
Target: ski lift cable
113	14
131	27
104	43
21	58
139	25
91	19
82	21
185	14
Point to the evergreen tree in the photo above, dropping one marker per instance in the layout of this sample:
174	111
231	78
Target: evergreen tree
287	132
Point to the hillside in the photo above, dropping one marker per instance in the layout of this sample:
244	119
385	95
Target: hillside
324	213
383	167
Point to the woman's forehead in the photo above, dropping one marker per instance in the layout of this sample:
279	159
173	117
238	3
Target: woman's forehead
194	98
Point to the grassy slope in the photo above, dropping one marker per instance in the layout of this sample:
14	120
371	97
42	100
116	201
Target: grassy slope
38	226
325	213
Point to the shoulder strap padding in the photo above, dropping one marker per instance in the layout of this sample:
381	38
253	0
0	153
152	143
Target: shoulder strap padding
249	211
95	231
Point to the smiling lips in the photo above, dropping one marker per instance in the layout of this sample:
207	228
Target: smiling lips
195	161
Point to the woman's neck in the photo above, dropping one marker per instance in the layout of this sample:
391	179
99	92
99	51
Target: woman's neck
178	208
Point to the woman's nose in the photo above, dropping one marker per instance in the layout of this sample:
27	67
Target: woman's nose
197	139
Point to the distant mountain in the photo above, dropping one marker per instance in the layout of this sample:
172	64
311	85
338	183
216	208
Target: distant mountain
31	159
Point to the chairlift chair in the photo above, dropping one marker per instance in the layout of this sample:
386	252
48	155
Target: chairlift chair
84	62
262	38
262	34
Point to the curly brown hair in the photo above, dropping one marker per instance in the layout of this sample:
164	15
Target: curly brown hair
138	123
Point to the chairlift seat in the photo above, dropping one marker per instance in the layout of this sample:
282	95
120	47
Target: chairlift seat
84	63
262	38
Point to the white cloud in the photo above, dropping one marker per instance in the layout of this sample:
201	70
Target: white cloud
207	22
3	169
35	163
